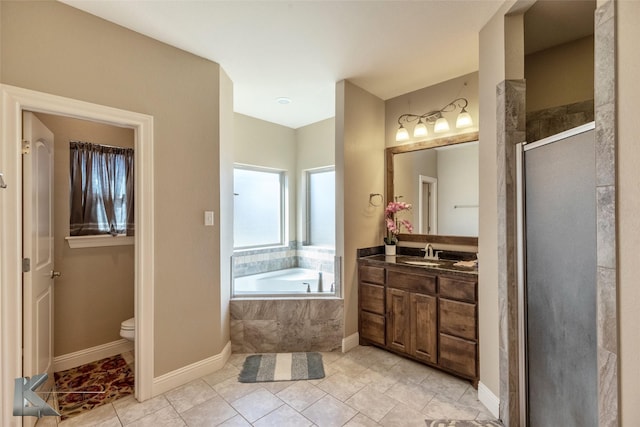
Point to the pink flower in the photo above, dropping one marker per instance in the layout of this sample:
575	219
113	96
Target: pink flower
394	224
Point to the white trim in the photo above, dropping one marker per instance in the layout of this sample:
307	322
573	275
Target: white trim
88	355
559	136
432	227
350	342
489	400
188	373
77	242
13	101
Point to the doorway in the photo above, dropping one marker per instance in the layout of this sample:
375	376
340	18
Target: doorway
427	205
14	101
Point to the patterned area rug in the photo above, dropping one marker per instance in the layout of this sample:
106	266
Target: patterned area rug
282	367
85	387
462	423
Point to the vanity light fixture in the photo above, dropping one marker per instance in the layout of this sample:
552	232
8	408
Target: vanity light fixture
434	118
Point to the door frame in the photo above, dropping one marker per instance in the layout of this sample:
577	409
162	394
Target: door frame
432	183
13	100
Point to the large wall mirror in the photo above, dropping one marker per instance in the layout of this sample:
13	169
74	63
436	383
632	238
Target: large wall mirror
440	179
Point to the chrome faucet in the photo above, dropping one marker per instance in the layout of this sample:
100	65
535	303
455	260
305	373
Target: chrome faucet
428	252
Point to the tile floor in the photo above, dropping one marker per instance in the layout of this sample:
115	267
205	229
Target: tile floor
364	387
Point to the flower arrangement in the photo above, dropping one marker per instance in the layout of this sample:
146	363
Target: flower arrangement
394	224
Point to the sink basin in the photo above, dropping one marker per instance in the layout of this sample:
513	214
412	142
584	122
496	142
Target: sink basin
422	263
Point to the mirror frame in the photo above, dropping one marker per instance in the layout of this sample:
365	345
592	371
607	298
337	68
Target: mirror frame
423	145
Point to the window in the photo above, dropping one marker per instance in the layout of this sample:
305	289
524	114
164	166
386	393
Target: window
101	189
259	207
321	207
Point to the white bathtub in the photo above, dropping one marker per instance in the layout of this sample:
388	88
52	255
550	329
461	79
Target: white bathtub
292	281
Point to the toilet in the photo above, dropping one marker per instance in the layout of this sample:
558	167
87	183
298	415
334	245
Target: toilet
128	329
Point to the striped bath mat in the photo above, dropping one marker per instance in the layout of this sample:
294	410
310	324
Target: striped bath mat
281	367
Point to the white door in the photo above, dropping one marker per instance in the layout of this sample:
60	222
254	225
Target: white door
37	329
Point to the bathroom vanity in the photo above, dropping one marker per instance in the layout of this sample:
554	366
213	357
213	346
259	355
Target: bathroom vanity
427	311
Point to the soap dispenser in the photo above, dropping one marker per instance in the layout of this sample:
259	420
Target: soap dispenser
320	282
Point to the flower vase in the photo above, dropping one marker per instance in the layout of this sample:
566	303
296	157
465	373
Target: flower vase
389	250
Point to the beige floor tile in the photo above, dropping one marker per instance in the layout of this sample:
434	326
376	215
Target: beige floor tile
210	413
102	415
129	409
237	359
403	416
300	395
346	365
446	385
371	403
276	386
341	386
408	370
166	417
232	390
441	407
236	421
190	395
228	371
329	412
414	395
361	420
377	380
256	405
284	416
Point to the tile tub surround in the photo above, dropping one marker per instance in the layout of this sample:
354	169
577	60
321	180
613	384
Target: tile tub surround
286	325
364	387
258	261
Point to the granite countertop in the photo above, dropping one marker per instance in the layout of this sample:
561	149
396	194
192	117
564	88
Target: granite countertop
435	266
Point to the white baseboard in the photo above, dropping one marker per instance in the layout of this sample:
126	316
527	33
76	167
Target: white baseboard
488	399
350	342
188	373
78	358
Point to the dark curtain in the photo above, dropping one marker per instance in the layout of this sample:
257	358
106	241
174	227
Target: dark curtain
102	189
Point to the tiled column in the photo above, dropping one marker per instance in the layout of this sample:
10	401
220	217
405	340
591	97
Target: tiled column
511	117
605	114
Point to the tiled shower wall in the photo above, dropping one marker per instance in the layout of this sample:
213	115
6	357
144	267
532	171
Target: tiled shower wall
286	325
257	261
552	121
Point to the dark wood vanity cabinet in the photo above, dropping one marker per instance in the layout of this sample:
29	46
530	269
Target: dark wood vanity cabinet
430	317
371	304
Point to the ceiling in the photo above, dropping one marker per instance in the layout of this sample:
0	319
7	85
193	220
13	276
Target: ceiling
300	49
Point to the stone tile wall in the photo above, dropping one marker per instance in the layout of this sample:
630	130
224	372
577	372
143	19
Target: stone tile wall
552	121
286	325
246	263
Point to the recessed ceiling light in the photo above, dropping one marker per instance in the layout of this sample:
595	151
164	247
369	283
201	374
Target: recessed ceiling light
283	100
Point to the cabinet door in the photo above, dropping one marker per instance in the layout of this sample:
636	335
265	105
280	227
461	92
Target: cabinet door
398	320
424	330
458	319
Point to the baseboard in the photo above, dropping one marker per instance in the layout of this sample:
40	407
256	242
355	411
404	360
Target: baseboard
488	399
350	342
78	358
188	373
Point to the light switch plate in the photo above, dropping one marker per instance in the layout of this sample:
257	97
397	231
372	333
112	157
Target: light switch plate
208	218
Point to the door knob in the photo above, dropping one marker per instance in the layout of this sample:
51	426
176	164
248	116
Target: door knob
55	274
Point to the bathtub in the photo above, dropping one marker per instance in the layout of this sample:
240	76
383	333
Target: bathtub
290	282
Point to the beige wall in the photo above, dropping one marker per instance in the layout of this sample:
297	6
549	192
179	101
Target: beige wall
492	72
316	148
70	53
261	143
359	171
95	292
629	205
429	99
560	75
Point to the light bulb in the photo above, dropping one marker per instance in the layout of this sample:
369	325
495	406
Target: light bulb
420	130
464	119
402	134
442	125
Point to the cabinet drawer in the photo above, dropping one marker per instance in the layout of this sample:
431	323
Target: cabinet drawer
367	273
372	298
459	355
458	289
458	318
372	327
411	282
